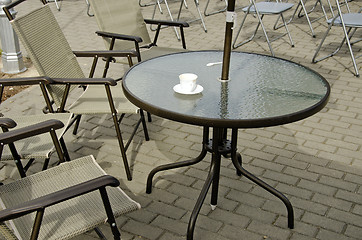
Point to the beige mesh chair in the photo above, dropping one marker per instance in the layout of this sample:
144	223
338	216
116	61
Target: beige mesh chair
40	147
349	22
52	57
261	9
123	27
61	202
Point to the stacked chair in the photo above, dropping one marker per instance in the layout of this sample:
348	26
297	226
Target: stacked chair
259	10
349	22
60	202
52	56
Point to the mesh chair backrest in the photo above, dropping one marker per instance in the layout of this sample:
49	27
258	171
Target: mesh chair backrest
122	17
47	47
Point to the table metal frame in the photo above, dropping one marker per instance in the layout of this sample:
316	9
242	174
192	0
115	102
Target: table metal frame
219	146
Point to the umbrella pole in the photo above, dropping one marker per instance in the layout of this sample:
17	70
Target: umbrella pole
228	38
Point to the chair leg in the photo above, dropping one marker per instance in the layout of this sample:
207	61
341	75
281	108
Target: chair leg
30	162
144	125
238	33
307	17
346	38
75	129
276	26
314	60
99	233
111	220
286	28
197	4
149	117
122	148
65	150
45	164
265	34
215	12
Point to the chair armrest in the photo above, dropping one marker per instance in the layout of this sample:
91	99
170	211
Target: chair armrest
29	131
85	81
25	81
57	197
119	36
7	123
167	22
108	53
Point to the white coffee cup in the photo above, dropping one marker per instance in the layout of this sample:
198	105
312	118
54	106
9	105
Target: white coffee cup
188	82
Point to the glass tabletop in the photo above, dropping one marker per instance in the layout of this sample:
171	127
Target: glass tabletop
262	91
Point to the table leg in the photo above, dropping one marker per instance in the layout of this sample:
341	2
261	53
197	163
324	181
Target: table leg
236	159
217	138
179	164
199	202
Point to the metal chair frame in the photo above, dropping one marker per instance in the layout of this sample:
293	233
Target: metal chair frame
217	11
339	20
260	16
301	5
183	3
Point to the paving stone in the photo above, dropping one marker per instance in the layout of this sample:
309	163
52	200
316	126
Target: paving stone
301	173
323	222
269	231
231	232
316	162
355	232
325	234
174	226
148	231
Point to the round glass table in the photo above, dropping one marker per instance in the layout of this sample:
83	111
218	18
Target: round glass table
261	91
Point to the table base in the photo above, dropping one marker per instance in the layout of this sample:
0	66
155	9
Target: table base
218	147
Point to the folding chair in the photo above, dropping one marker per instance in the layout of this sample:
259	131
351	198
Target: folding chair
63	201
350	20
40	147
260	9
123	20
57	5
302	7
52	57
197	5
157	5
217	11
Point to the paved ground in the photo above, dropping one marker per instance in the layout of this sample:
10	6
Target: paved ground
316	162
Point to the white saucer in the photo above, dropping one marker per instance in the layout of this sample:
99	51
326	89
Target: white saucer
177	88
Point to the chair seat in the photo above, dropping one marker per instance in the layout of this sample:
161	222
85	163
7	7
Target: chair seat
41	146
94	101
266	8
350	20
69	218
